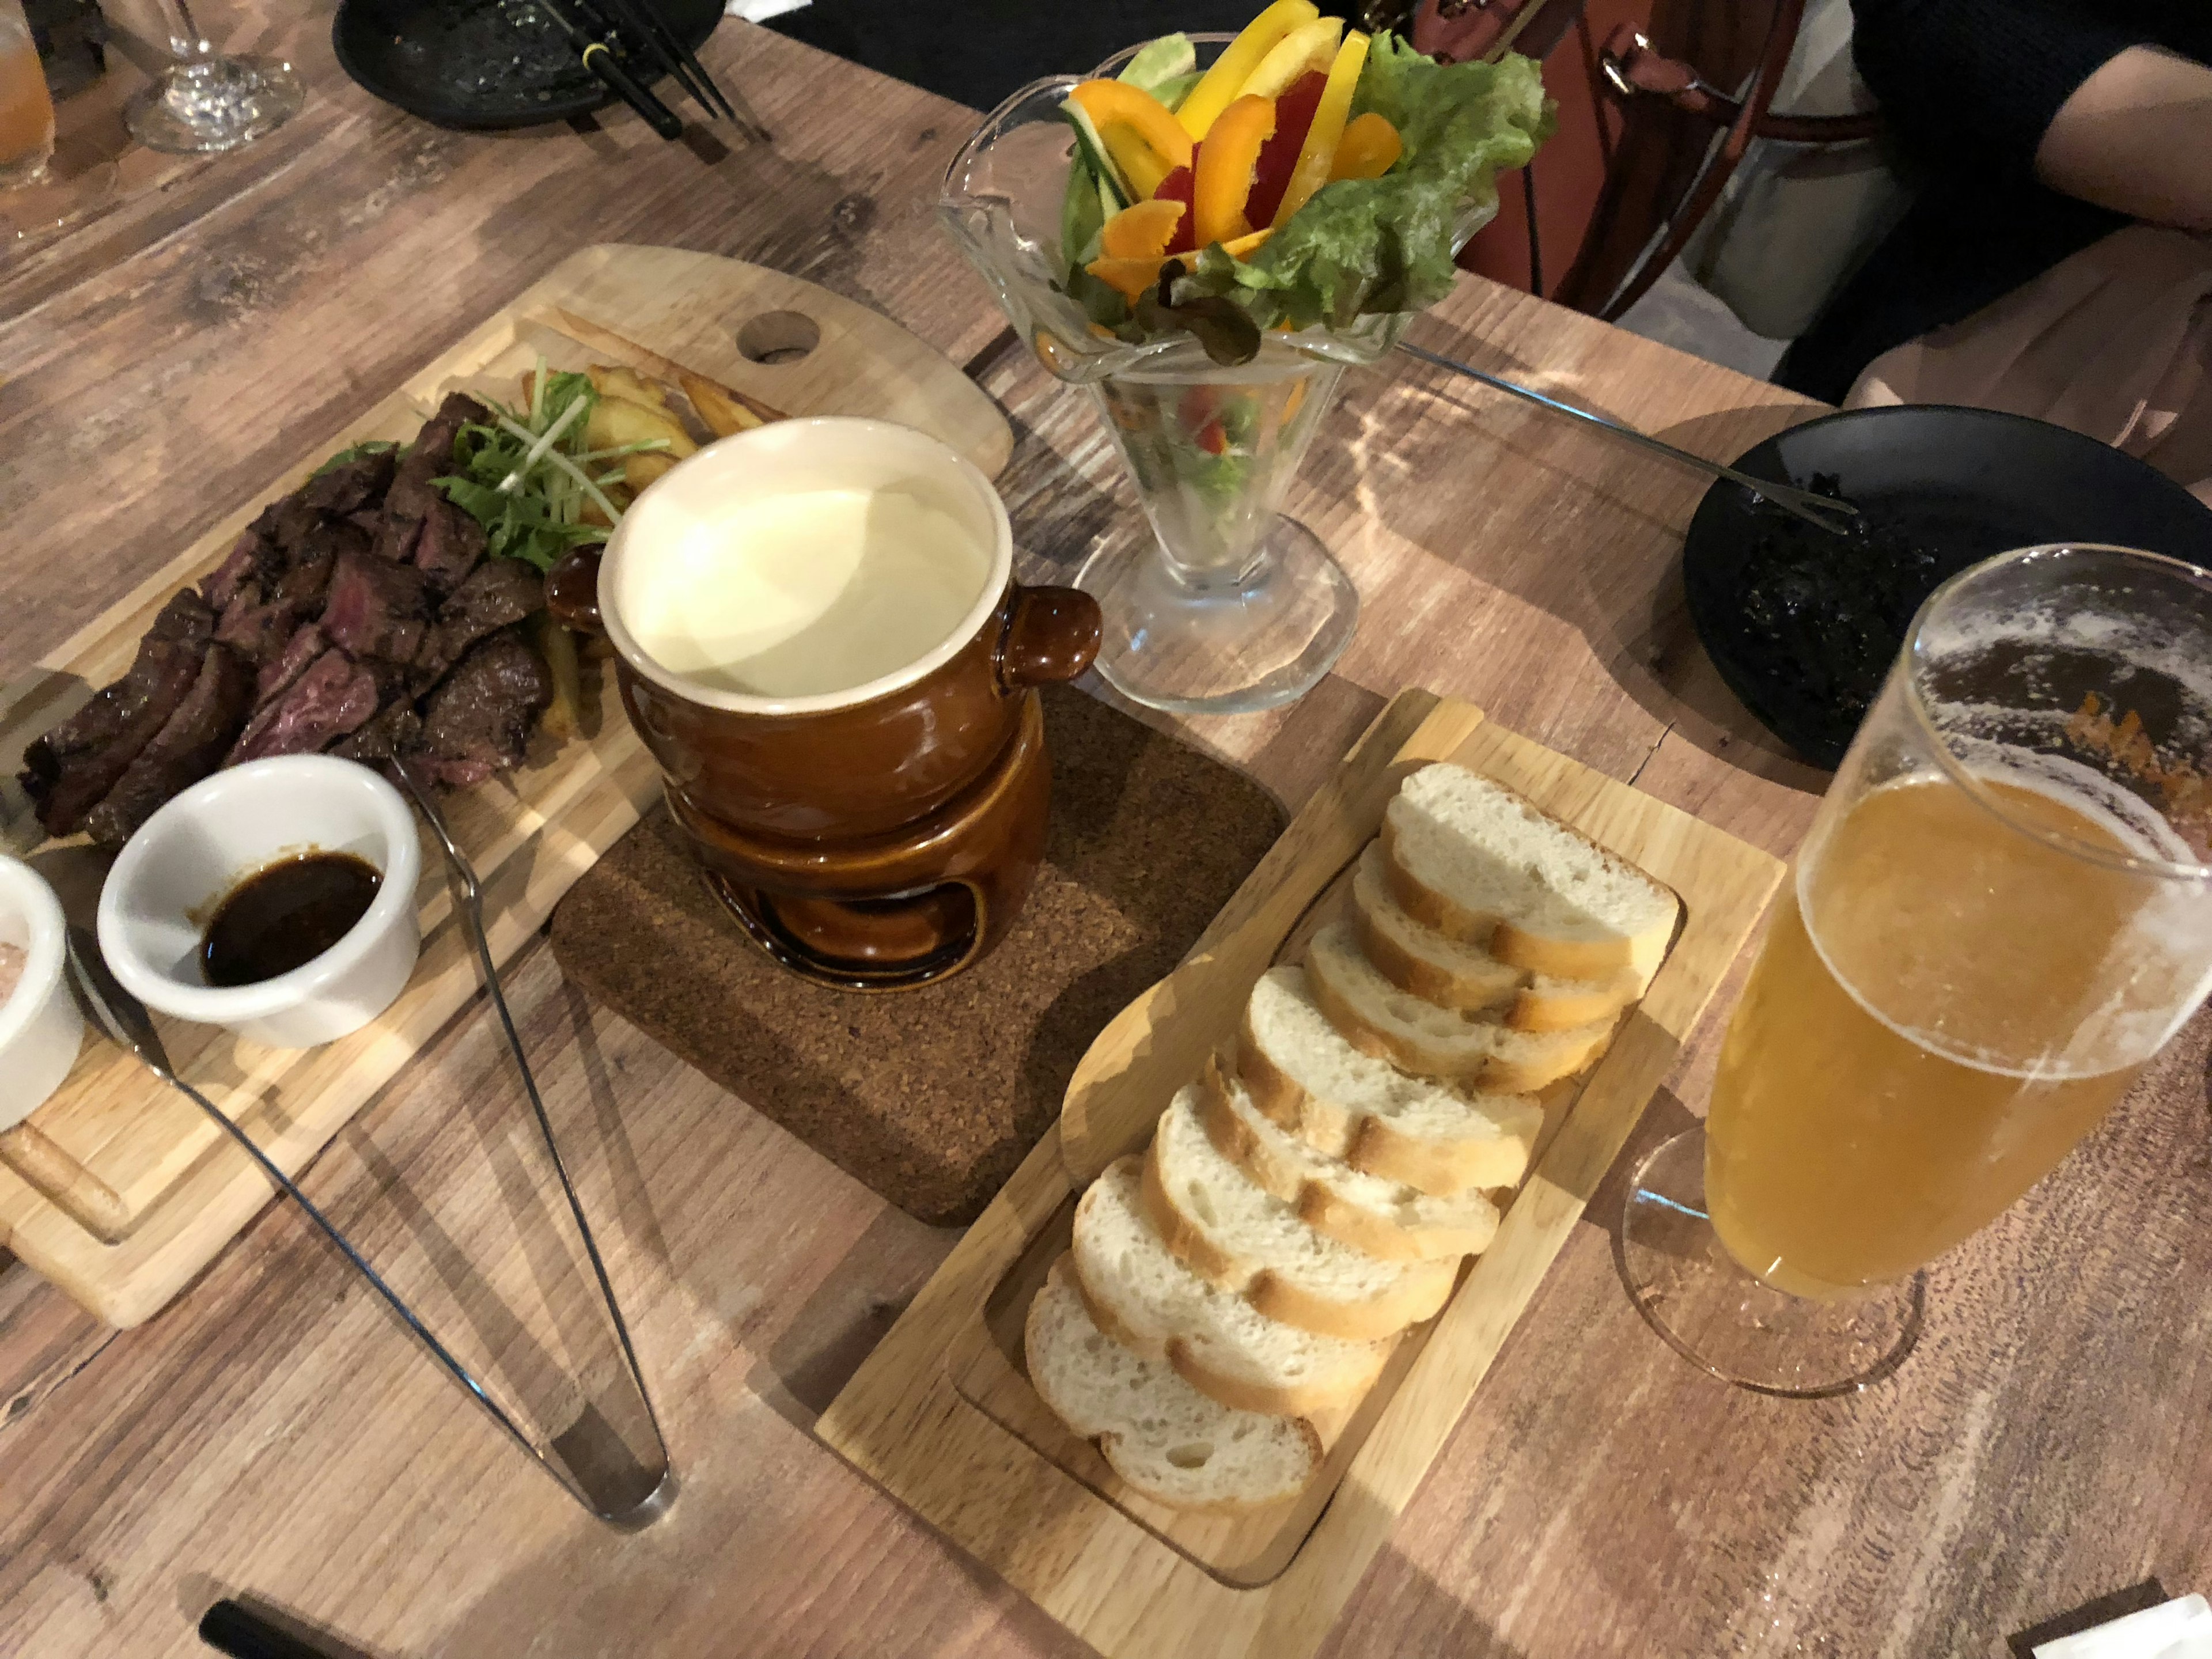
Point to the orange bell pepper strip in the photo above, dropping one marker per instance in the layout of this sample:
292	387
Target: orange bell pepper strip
1220	86
1129	277
1123	113
1223	182
1370	148
1142	231
1318	153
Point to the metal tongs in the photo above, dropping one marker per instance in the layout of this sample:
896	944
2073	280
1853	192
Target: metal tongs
1821	512
126	1019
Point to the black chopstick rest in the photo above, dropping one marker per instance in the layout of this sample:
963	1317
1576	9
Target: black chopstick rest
229	1628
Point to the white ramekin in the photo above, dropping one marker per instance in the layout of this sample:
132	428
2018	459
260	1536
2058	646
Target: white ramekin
168	880
40	1027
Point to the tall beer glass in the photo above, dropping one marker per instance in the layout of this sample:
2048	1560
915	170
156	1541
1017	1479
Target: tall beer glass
2003	910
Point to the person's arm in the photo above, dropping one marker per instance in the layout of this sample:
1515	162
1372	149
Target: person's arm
2136	137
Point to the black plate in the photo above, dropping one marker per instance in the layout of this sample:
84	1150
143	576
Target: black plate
487	65
1803	626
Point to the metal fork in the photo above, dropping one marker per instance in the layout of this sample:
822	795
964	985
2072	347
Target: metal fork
1821	512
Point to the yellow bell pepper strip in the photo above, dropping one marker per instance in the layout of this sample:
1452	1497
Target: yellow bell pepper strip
1143	137
1309	46
1225	161
1241	248
1142	231
1318	153
1370	148
1129	277
1218	88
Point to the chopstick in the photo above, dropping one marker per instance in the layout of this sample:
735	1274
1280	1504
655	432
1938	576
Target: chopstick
600	58
242	1633
645	23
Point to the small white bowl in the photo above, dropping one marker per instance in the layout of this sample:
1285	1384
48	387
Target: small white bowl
40	1028
184	860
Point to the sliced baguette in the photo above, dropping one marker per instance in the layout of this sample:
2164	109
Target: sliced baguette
1161	1436
1383	1218
1453	973
1475	861
1235	1234
1305	1076
1379	1019
1142	1297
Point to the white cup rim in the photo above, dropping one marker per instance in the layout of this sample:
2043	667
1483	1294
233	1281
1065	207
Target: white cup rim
744	448
228	1006
25	890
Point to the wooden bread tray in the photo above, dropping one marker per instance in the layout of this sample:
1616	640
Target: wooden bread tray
118	1189
940	1413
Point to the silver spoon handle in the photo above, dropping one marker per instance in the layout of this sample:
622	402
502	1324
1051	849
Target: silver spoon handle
1801	503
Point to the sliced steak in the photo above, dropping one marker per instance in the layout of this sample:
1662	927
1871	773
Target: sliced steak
303	584
70	768
254	561
334	696
294	523
189	746
430	456
448	546
255	629
394	730
353	485
306	643
375	608
498	593
478	722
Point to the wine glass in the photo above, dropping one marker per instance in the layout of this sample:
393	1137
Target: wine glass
208	100
27	111
2003	910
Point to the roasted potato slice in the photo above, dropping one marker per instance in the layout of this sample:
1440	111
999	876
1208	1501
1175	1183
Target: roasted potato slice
613	381
618	420
641	469
718	406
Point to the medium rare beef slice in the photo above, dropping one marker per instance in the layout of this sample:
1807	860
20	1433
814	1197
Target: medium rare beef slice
307	642
430	456
296	524
189	746
304	583
68	769
498	593
352	485
390	732
255	562
479	719
376	610
334	696
448	547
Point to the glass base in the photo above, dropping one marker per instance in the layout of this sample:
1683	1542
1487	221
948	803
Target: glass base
214	104
1232	647
1692	1291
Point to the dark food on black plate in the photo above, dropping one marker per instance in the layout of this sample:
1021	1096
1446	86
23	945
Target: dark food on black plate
1822	615
357	615
284	915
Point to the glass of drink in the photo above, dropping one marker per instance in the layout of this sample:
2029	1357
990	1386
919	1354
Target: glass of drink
207	100
26	112
2003	910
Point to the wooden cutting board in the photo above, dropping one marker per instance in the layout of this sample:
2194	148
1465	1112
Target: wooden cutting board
119	1189
940	1414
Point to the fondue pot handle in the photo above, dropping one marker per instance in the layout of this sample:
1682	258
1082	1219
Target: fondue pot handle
1051	634
572	590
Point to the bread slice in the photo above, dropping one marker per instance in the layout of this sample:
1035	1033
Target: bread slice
1477	863
1383	1218
1139	1294
1305	1076
1161	1436
1453	973
1235	1234
1378	1018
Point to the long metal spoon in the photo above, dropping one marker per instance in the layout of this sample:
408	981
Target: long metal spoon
1821	512
126	1019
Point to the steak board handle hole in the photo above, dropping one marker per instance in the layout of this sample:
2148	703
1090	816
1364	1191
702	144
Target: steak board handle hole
778	337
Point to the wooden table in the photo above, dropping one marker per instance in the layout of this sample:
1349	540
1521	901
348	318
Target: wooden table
273	1434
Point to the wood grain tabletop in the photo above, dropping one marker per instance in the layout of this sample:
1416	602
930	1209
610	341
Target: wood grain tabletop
273	1434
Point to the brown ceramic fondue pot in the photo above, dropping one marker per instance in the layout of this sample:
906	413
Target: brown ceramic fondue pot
873	835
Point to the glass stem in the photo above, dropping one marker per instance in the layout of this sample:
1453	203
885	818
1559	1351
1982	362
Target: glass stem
186	44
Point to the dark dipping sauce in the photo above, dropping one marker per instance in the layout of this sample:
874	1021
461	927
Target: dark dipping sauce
285	916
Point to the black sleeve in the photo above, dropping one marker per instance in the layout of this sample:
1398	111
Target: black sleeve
1972	85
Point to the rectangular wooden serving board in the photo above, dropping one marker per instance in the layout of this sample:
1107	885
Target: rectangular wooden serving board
119	1189
941	1413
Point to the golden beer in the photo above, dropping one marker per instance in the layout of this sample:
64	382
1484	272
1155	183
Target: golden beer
1958	989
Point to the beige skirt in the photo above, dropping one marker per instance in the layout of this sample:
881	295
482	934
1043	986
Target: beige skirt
2115	342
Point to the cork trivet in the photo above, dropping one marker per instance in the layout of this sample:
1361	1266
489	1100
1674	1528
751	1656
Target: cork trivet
931	1098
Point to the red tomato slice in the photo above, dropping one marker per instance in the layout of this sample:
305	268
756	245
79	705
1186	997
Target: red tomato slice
1271	175
1177	187
1213	439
